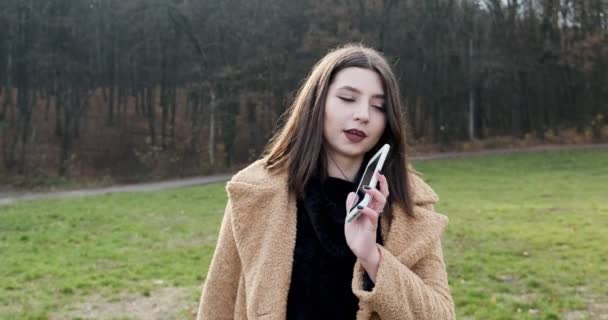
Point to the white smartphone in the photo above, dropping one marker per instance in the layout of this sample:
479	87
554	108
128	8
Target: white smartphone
369	178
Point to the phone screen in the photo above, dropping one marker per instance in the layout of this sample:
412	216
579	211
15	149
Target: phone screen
366	178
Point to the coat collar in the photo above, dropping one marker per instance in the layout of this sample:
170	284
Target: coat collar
254	188
264	222
256	178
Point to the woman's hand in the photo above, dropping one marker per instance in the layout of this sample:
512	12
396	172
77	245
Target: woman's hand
361	232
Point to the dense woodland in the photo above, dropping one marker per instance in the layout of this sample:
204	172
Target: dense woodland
180	87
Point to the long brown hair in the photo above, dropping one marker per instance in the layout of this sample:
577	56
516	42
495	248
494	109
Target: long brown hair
299	145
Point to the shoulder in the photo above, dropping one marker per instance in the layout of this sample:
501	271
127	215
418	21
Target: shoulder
251	174
422	193
256	183
256	173
425	198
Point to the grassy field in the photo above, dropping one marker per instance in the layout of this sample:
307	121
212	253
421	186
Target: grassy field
527	240
527	235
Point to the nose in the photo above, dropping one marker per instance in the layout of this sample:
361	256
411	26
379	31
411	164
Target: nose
362	112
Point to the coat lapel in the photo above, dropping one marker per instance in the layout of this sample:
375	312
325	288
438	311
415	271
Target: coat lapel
265	233
410	238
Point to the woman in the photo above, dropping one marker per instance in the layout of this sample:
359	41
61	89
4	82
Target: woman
284	249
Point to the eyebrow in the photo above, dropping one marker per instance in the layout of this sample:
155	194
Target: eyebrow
349	88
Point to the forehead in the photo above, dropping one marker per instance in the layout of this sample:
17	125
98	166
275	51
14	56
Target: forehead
364	80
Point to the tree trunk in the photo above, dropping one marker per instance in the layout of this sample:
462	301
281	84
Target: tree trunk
471	130
8	95
212	106
149	105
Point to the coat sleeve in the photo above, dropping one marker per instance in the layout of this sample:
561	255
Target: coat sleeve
220	289
420	292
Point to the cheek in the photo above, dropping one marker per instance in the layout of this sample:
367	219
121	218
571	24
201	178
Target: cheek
327	124
381	121
332	116
382	125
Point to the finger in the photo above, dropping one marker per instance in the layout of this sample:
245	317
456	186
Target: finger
383	184
371	214
376	194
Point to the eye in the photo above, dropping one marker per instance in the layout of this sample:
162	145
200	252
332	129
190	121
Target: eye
346	99
380	108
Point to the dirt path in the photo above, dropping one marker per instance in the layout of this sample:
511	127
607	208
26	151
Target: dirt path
163	304
12	197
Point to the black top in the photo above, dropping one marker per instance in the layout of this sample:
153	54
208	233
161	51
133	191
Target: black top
321	281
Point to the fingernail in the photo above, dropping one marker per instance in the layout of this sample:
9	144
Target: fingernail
360	207
366	187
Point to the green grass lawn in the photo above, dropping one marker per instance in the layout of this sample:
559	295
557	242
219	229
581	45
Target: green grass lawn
527	240
54	253
528	233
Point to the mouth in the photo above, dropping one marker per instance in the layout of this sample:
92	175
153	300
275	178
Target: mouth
356	132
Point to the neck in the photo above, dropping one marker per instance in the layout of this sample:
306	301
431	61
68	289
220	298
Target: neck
340	166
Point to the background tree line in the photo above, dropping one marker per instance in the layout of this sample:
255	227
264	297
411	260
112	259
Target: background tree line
131	86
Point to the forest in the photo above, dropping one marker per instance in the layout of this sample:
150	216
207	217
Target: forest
134	88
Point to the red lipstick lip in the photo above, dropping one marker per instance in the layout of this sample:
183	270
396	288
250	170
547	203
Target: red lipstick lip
356	132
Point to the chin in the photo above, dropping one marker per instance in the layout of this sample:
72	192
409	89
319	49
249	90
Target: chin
348	149
353	151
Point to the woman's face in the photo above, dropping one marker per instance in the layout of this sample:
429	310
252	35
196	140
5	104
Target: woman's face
355	117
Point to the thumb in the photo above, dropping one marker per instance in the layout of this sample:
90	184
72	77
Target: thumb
350	200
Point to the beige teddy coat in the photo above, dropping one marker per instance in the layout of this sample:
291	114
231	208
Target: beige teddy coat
250	272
